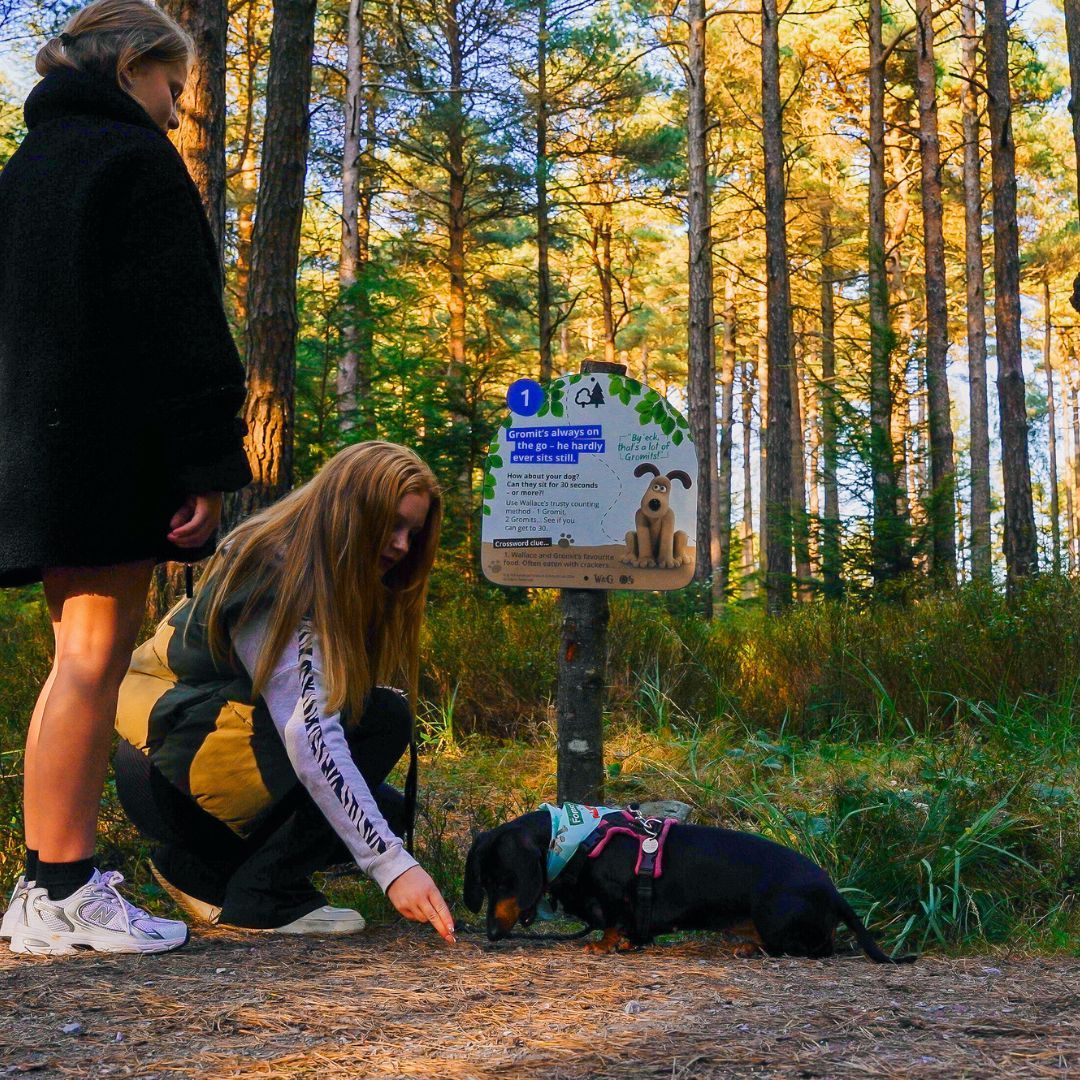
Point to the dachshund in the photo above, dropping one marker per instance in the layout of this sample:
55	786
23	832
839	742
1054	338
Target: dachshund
654	541
713	879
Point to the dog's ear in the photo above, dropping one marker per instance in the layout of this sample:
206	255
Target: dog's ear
473	889
647	467
678	474
532	877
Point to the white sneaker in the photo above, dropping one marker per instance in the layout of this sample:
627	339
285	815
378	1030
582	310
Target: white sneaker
16	906
94	917
199	910
325	920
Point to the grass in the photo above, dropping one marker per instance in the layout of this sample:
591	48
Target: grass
926	755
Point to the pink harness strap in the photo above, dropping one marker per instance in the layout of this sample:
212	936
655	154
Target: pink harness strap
610	830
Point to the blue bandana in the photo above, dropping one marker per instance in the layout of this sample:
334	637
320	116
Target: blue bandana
570	825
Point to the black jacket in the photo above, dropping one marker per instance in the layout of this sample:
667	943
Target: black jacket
119	380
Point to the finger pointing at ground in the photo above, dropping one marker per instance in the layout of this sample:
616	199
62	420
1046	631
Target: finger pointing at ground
416	897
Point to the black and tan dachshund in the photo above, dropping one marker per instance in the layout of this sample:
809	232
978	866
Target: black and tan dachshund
713	879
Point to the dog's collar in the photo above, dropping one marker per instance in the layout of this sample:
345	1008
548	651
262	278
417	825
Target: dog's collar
571	825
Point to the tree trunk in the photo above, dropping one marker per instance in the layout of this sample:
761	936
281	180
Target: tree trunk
545	329
1021	554
778	492
456	223
976	303
1051	409
887	542
246	180
942	472
201	142
272	322
746	539
763	448
201	135
1070	458
355	225
701	349
830	523
809	405
800	527
721	577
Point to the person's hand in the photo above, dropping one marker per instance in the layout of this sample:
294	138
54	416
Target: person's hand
194	523
415	896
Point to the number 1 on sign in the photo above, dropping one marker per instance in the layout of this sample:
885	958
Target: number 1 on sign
525	397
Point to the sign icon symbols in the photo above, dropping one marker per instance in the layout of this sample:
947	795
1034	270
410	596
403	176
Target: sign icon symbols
590	395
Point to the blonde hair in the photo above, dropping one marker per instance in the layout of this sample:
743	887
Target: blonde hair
106	37
316	551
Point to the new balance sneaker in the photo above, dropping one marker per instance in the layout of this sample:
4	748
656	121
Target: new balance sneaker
93	917
16	906
199	910
325	920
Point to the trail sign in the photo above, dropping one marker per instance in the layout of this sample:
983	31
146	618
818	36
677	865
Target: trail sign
590	484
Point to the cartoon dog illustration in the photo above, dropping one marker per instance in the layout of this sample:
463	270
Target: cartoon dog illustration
654	541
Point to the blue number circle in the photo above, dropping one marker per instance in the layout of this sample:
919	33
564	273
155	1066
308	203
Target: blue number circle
525	397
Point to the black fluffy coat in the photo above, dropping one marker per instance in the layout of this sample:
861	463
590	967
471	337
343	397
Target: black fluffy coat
119	379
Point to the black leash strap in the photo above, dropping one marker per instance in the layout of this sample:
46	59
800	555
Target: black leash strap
411	778
189	581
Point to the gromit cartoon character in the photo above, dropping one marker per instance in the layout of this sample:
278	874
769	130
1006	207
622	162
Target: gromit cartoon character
654	542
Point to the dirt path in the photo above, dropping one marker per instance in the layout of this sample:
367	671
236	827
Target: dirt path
398	1003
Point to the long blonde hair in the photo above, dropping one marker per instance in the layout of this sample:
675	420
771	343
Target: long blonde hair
316	552
106	37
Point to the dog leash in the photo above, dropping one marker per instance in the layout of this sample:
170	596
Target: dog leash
468	928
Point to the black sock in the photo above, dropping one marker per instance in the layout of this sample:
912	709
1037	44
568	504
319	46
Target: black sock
63	878
31	865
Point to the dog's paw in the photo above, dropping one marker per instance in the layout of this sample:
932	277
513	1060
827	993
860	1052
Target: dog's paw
612	941
669	564
747	950
644	564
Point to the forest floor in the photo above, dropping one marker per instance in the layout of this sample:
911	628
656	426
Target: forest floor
398	1002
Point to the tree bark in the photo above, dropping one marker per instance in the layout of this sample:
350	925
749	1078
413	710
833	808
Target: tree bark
830	524
200	140
352	378
701	348
201	135
800	526
1021	554
272	321
942	471
976	303
1051	409
763	427
456	223
778	493
746	538
887	541
721	577
545	329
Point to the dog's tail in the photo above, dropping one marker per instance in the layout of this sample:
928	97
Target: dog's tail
864	937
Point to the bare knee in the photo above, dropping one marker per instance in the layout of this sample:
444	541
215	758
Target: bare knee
88	671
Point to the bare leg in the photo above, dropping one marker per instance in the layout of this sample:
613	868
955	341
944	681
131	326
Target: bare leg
96	612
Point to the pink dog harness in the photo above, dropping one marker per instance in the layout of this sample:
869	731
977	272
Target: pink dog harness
650	834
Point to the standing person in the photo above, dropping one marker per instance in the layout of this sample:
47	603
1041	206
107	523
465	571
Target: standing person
119	391
256	736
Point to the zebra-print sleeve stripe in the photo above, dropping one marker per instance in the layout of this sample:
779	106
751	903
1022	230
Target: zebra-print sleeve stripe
313	732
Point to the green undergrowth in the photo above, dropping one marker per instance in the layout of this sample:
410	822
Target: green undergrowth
927	756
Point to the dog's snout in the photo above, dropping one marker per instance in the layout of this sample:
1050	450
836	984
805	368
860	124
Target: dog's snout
654	504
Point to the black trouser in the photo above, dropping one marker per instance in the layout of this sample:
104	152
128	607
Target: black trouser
262	881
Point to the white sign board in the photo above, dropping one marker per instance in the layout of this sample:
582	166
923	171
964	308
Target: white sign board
591	483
